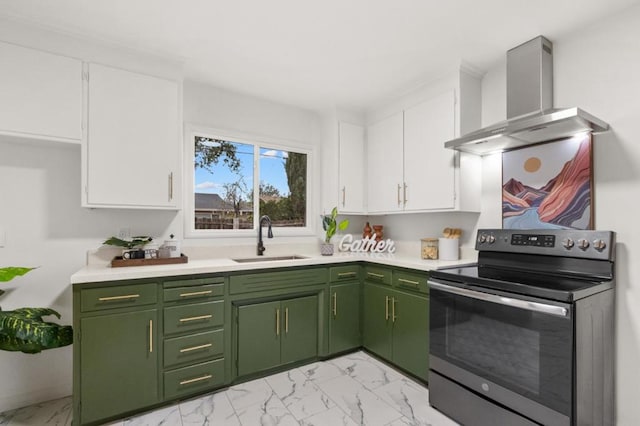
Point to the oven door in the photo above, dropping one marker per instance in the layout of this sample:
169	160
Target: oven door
512	349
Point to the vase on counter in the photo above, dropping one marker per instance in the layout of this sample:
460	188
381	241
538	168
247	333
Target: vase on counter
377	229
367	231
326	249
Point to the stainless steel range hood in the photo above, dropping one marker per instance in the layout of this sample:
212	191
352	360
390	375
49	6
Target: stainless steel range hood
531	116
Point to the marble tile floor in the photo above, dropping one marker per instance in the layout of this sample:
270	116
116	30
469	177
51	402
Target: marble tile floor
354	389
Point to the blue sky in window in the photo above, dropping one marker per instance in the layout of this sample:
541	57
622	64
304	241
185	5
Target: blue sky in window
271	171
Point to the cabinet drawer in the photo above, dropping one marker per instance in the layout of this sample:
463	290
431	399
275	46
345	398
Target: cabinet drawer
193	281
194	378
95	299
344	273
194	347
193	292
411	281
276	280
378	275
195	316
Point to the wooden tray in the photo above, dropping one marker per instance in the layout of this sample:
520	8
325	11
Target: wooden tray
118	261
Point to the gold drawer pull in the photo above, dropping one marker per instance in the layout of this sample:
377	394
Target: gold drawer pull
197	379
278	322
201	317
373	274
335	304
196	293
415	283
195	348
346	274
150	336
126	296
386	308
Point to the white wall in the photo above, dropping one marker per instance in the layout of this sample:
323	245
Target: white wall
598	69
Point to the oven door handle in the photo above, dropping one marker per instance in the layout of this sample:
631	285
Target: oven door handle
501	300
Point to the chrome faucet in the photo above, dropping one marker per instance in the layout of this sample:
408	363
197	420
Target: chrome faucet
269	233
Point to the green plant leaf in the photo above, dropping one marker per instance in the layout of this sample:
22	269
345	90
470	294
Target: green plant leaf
343	225
135	242
10	272
24	330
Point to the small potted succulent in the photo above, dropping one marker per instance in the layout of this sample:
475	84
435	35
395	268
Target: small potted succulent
331	225
131	249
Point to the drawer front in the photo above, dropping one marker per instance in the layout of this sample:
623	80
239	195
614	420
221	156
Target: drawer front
195	347
344	273
193	281
195	316
411	281
95	299
193	293
277	280
377	274
192	379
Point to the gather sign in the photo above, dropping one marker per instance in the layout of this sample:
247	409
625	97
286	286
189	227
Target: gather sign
366	244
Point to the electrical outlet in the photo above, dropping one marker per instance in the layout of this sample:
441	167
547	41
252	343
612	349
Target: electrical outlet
124	233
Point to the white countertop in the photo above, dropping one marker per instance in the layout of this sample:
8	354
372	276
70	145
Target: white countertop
97	271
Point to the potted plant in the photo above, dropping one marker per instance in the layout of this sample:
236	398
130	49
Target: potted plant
132	249
24	330
331	225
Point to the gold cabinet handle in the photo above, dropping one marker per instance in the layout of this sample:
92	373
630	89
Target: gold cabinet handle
393	309
150	336
201	317
414	283
386	308
335	304
374	275
344	192
399	201
278	322
405	193
286	320
346	274
195	348
126	296
196	293
197	379
170	186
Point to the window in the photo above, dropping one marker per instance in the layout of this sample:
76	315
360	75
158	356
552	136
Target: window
230	172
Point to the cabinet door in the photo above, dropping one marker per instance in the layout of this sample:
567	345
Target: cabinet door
133	143
428	166
384	165
377	320
299	329
119	363
259	331
411	333
344	317
40	94
351	173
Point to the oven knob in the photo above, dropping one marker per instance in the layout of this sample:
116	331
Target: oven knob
583	244
491	239
482	238
567	243
599	245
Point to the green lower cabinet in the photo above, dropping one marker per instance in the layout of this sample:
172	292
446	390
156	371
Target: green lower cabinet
396	327
344	317
273	333
377	323
119	364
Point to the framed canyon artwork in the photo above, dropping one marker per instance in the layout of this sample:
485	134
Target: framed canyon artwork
549	186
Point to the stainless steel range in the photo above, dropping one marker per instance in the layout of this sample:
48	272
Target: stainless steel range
526	335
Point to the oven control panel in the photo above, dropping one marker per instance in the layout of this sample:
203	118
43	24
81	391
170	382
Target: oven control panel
551	242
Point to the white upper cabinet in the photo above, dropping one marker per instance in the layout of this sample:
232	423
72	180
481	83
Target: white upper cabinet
40	94
384	165
351	173
131	158
428	167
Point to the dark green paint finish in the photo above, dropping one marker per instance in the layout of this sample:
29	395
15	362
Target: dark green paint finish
344	317
193	379
186	294
377	323
258	334
411	333
200	281
291	279
411	281
344	273
377	274
118	296
192	317
300	326
119	365
193	348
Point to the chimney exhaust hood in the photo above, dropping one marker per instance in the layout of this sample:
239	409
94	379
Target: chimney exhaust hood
531	116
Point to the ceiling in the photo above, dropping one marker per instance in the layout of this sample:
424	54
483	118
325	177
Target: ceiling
345	53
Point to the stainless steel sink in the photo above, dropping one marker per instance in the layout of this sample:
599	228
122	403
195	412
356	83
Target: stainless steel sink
269	258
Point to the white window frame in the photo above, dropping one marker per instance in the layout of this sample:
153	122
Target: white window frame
191	131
